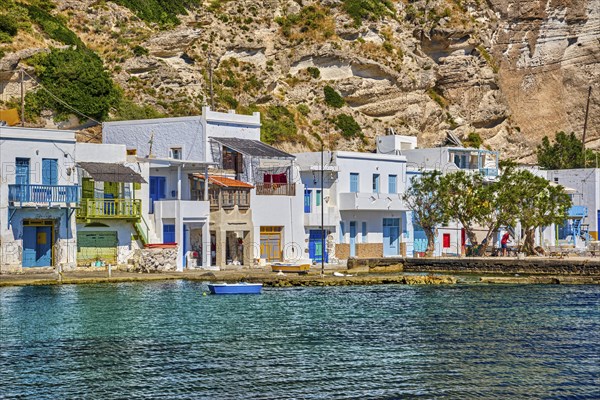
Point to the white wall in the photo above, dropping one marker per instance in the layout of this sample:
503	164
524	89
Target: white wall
186	133
102	153
366	165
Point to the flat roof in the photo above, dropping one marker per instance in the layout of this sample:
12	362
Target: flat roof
252	148
23	133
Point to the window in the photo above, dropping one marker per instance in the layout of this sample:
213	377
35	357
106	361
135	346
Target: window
364	232
392	182
375	183
354	182
175	153
307	201
318	198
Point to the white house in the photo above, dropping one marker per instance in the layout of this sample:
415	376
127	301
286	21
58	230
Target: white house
39	194
177	154
363	211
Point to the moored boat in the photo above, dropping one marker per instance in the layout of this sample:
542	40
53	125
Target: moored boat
293	267
235	288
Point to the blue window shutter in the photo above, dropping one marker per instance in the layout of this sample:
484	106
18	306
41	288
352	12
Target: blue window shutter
354	183
392	184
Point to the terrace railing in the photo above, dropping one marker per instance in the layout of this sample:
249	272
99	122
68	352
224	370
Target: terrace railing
43	194
130	209
275	189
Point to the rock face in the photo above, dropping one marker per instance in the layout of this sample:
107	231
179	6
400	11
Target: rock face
510	71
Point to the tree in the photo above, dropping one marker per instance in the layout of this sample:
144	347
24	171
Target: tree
566	152
464	197
538	204
426	201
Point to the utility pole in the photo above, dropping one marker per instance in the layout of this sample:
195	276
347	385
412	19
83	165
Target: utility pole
322	216
587	110
22	96
210	78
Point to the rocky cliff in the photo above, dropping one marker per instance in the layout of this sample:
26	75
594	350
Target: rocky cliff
510	71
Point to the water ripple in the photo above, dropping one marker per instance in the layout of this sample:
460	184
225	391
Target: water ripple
167	341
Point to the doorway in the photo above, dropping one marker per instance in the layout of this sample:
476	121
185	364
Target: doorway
38	241
391	237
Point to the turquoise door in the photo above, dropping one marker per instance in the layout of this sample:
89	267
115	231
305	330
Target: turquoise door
315	246
391	237
352	238
37	246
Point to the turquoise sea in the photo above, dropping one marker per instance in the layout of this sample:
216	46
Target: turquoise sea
168	341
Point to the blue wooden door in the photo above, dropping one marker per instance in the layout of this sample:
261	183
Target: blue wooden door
352	238
29	245
315	246
307	201
168	233
391	236
49	171
37	246
22	178
157	190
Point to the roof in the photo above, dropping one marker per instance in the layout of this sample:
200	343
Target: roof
252	148
225	182
111	172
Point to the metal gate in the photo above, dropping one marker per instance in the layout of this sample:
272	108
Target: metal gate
96	246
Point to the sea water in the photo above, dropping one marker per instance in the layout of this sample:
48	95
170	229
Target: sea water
169	341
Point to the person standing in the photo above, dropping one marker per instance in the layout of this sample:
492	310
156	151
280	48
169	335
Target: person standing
504	243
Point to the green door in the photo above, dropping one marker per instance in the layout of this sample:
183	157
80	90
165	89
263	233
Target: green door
96	246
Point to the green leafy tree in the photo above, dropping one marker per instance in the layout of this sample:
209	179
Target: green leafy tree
538	204
465	199
424	198
76	77
565	152
348	126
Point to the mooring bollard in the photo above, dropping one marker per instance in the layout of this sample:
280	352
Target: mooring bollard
109	270
59	273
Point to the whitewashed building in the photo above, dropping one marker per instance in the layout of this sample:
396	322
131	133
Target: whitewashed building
39	194
216	221
363	211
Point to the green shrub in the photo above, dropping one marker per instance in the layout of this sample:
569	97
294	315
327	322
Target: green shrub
163	12
347	126
473	140
129	110
310	20
303	109
314	72
333	98
53	26
435	96
8	25
367	9
230	100
1	54
77	77
140	50
278	125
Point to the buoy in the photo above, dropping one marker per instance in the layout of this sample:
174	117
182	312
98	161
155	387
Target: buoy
203	293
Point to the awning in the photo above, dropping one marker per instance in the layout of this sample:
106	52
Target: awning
111	172
252	148
225	182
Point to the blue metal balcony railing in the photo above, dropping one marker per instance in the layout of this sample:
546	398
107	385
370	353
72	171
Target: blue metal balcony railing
43	194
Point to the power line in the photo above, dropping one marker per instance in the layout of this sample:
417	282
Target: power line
61	101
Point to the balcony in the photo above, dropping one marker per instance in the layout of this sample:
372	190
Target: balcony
372	202
275	189
128	209
228	199
34	195
330	217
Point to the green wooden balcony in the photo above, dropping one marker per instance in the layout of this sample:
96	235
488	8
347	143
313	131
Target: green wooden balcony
126	209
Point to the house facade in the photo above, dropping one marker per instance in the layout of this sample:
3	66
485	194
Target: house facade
214	221
39	194
363	212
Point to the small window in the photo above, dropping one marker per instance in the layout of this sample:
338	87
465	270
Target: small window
318	199
354	184
175	153
375	183
131	152
392	184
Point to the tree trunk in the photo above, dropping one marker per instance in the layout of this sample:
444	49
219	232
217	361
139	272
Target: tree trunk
471	235
529	244
430	233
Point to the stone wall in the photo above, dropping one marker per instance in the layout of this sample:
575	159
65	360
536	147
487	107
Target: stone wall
155	259
369	250
543	266
342	251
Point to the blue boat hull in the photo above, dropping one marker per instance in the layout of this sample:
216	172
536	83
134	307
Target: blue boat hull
238	288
